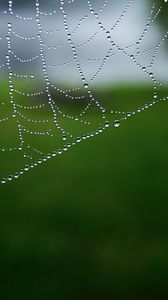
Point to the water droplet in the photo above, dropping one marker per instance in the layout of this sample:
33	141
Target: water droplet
26	168
116	123
86	86
3	181
107	124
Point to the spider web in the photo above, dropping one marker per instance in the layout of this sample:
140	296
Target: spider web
47	118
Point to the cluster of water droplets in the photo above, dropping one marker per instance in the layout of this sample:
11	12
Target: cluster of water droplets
33	155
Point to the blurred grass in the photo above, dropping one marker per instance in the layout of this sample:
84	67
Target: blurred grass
92	223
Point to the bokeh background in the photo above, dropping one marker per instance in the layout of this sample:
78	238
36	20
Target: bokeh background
92	223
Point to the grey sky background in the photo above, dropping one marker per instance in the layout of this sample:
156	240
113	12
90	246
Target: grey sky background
117	68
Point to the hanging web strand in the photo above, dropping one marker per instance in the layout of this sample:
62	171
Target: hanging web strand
34	102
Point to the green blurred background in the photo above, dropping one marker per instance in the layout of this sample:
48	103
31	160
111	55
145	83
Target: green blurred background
92	223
